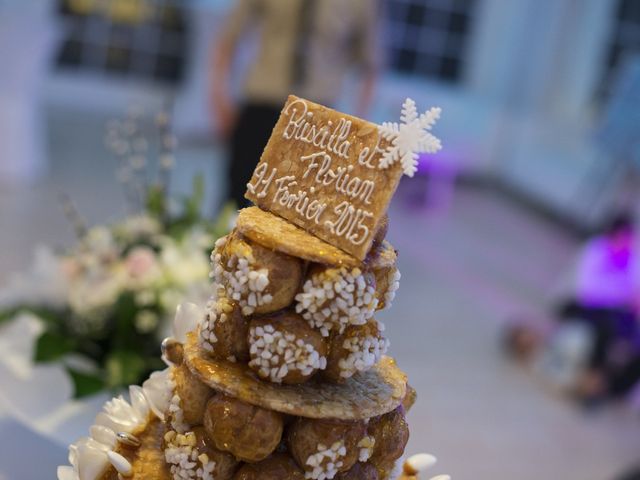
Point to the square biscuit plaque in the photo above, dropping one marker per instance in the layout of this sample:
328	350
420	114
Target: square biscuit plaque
321	171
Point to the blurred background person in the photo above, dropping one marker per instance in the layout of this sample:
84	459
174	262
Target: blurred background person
631	475
606	298
595	351
306	48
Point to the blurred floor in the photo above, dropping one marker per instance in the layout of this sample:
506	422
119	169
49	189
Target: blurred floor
463	274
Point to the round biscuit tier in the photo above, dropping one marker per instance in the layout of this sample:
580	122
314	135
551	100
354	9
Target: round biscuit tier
365	395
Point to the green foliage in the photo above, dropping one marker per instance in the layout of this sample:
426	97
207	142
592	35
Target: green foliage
156	203
192	205
85	384
48	316
124	314
191	210
220	227
6	315
124	368
52	346
122	354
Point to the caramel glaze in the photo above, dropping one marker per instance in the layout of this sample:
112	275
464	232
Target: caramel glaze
147	460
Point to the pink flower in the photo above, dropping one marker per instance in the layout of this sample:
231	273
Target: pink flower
70	267
140	262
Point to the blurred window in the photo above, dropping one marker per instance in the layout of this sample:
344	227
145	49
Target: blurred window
429	37
624	40
144	39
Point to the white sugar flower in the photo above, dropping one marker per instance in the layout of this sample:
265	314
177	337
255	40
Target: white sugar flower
410	137
188	315
100	241
90	456
417	464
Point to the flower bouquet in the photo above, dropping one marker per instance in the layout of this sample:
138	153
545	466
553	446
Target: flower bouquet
101	307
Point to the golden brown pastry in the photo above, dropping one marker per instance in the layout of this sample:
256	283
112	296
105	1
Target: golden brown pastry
147	460
279	466
192	396
386	470
225	463
410	398
334	298
387	283
260	280
325	447
357	349
381	231
391	434
382	261
223	332
285	349
248	432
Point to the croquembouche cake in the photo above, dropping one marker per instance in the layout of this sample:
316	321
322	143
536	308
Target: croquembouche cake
284	373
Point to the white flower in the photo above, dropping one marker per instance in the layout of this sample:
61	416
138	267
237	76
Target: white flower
145	297
100	241
94	293
409	138
183	265
138	226
146	321
45	283
142	268
169	299
17	344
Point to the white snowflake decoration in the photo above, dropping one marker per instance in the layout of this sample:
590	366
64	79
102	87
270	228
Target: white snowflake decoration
410	137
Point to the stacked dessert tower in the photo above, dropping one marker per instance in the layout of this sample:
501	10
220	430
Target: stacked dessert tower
284	373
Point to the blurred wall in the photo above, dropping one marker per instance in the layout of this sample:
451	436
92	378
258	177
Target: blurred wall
26	36
520	111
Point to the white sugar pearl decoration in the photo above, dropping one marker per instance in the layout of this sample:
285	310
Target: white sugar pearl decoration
182	456
239	280
364	353
275	353
335	298
326	462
